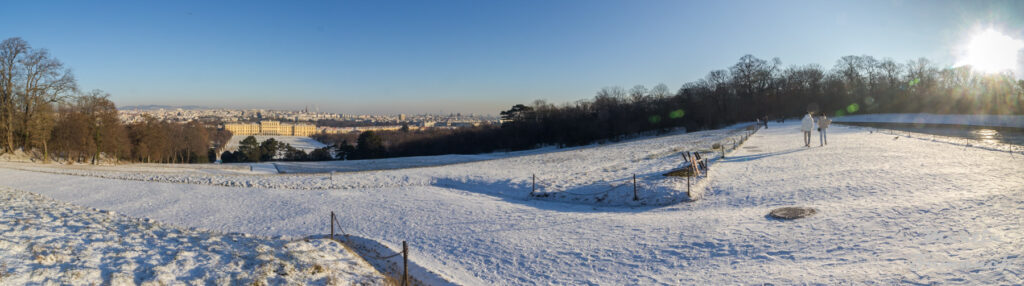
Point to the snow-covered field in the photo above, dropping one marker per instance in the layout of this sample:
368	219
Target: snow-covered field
891	209
1016	121
600	174
47	242
303	143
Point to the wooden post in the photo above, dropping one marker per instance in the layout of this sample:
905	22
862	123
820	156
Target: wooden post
534	186
405	263
635	197
695	164
332	175
332	225
688	187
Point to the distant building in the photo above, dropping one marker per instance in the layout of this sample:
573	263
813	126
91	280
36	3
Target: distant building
303	129
243	128
271	127
342	130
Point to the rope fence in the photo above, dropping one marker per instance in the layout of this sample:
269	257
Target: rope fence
697	164
404	253
1010	148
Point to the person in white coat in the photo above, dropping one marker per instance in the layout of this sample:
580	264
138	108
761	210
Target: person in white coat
823	124
806	125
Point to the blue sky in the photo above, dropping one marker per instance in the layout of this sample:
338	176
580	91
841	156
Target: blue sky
463	56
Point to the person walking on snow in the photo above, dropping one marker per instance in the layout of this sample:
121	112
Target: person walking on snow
823	124
806	125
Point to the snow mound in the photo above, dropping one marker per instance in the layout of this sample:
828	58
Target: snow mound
18	155
47	242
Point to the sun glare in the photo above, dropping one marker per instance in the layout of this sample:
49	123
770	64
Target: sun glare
991	52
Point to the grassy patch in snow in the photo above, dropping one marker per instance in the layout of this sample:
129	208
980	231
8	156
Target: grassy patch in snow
682	173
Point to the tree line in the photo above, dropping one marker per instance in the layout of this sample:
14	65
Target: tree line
756	87
43	110
751	89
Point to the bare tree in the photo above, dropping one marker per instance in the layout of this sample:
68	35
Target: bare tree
659	91
890	72
637	93
44	81
612	92
11	51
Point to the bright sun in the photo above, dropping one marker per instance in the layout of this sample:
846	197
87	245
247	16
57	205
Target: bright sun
992	52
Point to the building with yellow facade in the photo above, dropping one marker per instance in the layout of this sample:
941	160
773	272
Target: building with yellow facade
303	129
271	127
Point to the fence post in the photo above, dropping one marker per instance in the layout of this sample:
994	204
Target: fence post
533	188
332	175
635	197
332	225
688	187
405	263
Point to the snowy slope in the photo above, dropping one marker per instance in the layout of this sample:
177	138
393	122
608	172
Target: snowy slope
892	210
1016	121
290	167
47	242
598	174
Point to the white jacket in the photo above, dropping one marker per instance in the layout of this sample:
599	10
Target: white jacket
807	124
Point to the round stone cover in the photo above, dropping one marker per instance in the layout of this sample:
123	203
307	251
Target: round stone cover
792	212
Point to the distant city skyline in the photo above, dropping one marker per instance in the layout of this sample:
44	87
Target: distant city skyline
310	109
414	57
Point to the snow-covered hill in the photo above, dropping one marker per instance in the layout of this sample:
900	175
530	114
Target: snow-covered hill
597	174
892	209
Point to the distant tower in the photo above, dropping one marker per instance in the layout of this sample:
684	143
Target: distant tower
401	117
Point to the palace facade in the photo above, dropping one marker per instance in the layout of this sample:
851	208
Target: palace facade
271	127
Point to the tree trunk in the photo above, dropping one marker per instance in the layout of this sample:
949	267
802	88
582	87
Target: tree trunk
10	130
25	143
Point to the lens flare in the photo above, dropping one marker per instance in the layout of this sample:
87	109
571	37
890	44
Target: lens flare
678	113
852	108
991	52
654	119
